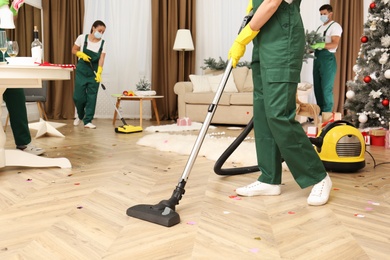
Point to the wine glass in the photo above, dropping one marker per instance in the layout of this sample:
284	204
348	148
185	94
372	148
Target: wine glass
3	43
13	48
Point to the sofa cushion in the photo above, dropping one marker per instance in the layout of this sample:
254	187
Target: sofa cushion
206	98
215	80
200	83
248	84
243	98
240	74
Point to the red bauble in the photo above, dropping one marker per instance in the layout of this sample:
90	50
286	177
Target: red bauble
364	39
372	5
385	102
367	79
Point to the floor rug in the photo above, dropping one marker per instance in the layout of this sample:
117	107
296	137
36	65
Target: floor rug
212	146
175	128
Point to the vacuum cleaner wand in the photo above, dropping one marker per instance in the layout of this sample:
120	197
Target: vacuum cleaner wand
164	212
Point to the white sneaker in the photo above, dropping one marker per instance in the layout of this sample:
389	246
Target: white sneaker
320	193
76	122
31	149
259	188
90	125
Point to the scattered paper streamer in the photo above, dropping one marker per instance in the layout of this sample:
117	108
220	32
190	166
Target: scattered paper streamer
359	215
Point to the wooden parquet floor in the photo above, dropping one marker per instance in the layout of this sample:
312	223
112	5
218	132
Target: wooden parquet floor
80	213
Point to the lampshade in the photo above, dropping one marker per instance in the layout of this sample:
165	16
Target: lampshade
6	18
183	41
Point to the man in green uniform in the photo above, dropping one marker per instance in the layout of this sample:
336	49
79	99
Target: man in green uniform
278	37
16	105
325	66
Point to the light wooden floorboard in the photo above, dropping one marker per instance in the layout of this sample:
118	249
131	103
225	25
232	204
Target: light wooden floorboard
80	213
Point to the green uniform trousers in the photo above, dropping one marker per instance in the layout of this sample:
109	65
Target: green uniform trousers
15	101
324	73
276	66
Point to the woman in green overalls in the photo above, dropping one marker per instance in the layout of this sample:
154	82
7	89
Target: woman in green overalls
278	37
90	50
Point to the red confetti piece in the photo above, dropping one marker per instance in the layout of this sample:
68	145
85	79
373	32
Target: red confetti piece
291	212
336	189
77	183
234	197
359	215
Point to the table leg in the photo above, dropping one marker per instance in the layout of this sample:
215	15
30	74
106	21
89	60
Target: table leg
118	102
154	105
140	112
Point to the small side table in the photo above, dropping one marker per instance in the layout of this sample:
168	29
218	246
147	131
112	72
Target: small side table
120	97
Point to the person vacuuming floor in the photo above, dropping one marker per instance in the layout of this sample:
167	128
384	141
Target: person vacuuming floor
276	64
90	50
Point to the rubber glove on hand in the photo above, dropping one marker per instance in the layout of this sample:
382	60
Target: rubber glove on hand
83	56
99	74
16	4
239	46
318	45
249	8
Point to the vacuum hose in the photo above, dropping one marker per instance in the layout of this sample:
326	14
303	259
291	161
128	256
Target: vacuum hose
232	147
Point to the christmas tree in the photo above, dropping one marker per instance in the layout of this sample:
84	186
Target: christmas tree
367	102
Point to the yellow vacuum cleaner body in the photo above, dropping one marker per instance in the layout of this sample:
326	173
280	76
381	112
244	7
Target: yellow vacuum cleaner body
341	147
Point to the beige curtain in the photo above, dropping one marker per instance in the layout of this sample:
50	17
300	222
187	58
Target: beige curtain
167	65
349	14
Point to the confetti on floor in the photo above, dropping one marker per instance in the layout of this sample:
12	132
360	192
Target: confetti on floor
254	250
359	215
191	223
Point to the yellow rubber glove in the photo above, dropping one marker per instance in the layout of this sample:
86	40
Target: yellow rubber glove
319	45
99	74
83	56
239	46
249	8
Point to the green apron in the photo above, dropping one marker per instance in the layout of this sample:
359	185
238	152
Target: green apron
276	65
86	87
15	101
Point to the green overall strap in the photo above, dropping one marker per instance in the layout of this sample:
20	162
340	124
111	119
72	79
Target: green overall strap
326	29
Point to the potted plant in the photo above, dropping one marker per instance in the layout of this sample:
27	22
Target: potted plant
144	88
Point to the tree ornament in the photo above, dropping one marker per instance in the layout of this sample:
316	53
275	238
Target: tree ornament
385	102
350	94
356	68
384	58
372	5
364	39
387	74
367	79
363	118
385	41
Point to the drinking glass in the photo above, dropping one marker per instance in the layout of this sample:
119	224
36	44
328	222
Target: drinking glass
13	48
3	43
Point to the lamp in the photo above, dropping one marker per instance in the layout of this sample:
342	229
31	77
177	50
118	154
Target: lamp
6	18
183	42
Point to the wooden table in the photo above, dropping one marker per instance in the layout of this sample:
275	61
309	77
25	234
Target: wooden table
120	97
28	77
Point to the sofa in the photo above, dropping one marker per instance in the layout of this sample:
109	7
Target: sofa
235	106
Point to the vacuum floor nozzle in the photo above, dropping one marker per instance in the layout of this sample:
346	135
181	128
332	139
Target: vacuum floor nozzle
128	129
158	214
